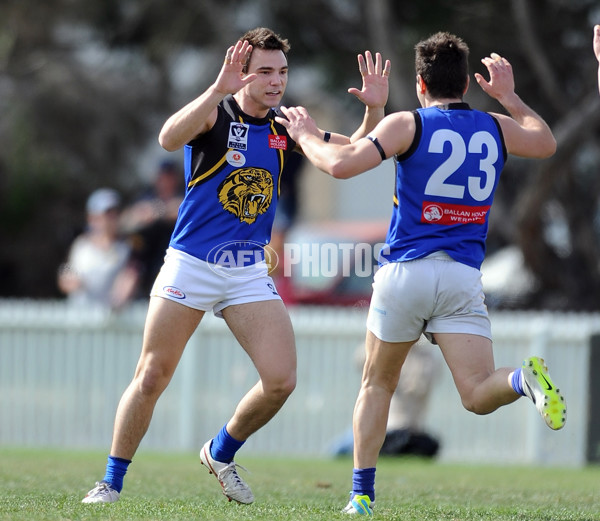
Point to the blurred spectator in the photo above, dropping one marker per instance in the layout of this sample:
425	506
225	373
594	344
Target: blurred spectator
596	47
99	269
149	221
405	433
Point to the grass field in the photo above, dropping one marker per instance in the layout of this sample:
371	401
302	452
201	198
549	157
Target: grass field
49	484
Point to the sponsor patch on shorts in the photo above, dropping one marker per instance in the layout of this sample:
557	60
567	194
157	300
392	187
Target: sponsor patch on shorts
174	292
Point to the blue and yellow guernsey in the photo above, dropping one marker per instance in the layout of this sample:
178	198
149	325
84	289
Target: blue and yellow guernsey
232	174
445	185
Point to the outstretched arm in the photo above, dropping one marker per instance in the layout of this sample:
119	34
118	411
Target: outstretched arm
393	135
597	50
336	159
526	134
200	115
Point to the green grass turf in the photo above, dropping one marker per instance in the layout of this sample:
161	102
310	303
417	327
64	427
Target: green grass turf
40	484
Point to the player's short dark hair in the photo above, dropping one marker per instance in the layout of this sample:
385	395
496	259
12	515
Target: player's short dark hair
263	38
442	62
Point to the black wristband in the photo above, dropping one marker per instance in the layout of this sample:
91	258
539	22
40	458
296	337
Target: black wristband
327	136
379	147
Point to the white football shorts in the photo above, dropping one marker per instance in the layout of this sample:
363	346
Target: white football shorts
435	294
201	285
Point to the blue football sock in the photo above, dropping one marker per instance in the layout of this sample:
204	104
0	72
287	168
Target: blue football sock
224	447
115	472
363	482
517	382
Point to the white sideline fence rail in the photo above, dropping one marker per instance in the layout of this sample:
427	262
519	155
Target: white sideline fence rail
63	370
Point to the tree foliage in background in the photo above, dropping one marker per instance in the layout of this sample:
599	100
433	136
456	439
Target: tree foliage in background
85	87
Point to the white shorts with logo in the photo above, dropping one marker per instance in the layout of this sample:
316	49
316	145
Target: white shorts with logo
435	294
201	285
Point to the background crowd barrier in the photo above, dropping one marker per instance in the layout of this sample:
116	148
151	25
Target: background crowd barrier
63	370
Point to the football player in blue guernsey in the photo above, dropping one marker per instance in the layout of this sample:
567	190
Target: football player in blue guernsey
234	154
448	159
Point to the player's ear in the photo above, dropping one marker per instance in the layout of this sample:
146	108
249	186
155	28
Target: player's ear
467	85
421	84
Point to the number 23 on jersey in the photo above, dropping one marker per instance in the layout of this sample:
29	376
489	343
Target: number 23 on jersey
479	185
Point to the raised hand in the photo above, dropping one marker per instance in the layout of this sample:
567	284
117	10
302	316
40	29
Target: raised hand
231	79
502	81
375	88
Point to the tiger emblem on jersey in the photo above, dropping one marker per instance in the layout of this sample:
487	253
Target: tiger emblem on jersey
247	193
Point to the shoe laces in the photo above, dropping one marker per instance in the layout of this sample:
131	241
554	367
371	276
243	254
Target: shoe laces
230	470
101	486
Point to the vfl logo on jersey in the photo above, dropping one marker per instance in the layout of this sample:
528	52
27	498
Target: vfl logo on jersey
277	142
447	214
247	193
238	136
235	158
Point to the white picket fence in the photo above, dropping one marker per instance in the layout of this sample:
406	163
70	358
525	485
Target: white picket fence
63	370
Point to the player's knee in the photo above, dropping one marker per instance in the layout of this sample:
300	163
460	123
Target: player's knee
281	387
287	385
471	404
152	381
